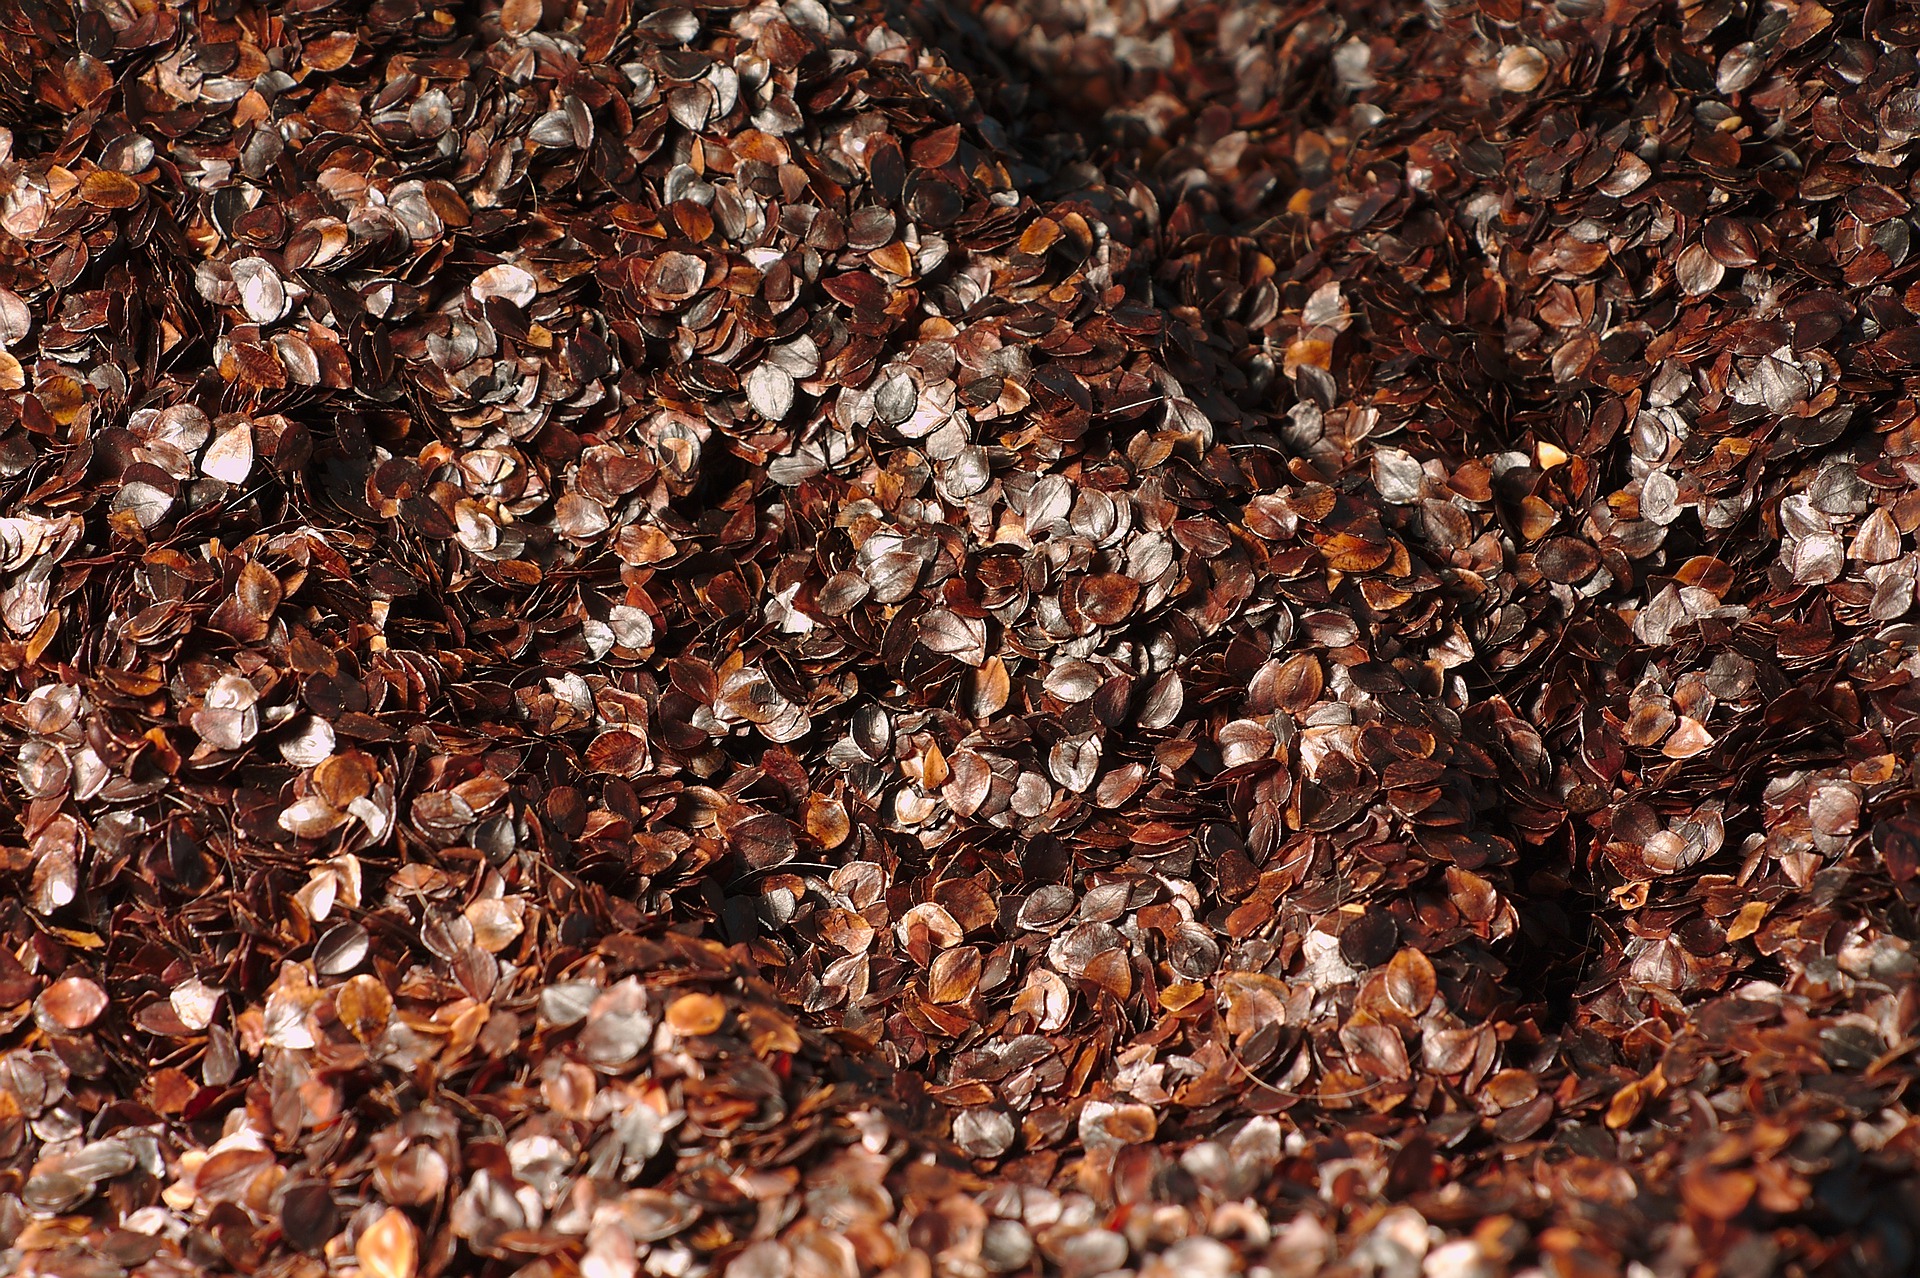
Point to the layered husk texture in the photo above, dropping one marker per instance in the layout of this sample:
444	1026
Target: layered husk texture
857	640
